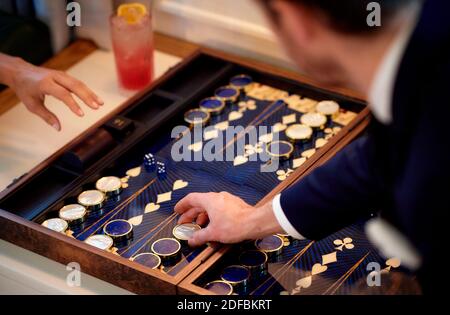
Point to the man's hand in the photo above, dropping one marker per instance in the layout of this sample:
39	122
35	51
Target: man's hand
231	219
31	84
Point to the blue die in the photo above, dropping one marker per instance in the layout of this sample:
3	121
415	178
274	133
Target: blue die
161	170
150	162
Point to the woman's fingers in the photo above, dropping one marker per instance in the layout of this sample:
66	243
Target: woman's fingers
79	89
65	96
37	107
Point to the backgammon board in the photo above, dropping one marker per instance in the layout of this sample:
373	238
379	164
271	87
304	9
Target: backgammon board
106	200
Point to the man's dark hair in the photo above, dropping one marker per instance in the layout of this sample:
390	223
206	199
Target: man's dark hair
350	16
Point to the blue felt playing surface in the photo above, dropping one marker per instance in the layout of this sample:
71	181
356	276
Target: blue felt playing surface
246	181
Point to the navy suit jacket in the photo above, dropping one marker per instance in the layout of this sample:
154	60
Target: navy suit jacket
401	170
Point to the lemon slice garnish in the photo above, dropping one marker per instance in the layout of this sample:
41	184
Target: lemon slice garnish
132	12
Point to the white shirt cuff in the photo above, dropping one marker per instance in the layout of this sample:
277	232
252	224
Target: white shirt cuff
283	220
390	242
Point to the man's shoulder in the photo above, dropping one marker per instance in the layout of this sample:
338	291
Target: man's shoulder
429	46
425	67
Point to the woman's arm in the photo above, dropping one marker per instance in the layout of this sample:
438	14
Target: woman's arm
31	84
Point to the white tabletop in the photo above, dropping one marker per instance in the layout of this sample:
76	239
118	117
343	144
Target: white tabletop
26	141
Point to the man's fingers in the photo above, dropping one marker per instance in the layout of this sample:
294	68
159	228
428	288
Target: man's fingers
202	219
190	215
64	95
200	237
79	89
37	107
195	200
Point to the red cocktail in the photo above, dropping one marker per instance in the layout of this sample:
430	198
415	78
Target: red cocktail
132	39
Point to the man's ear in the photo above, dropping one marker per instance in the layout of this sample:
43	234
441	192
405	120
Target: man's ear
298	19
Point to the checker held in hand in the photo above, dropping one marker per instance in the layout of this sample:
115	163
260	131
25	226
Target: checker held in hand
229	219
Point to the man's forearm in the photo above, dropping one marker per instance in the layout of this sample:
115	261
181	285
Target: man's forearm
262	222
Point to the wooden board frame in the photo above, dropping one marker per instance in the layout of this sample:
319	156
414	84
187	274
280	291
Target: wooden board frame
121	271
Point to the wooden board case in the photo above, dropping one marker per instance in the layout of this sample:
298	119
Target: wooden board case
35	196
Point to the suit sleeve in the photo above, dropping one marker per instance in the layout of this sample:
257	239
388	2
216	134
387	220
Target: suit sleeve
334	195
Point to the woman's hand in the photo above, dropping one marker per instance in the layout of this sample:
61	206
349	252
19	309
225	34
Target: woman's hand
230	219
31	84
